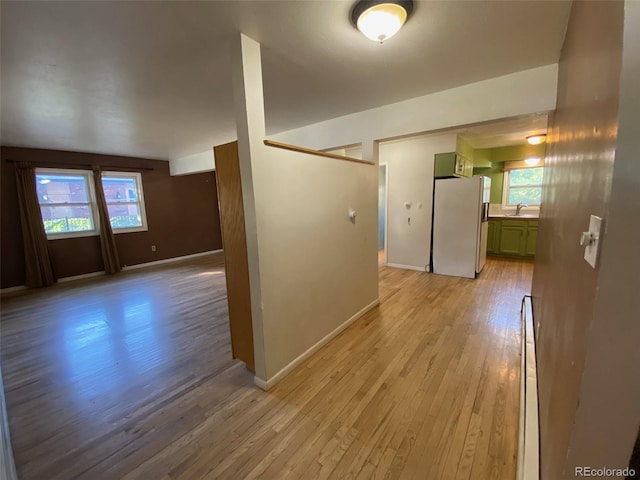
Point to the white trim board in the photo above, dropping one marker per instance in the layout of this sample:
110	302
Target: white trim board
125	268
407	267
60	280
268	384
17	288
82	277
169	260
386	210
7	464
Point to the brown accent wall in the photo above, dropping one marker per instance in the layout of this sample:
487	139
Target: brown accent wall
578	177
182	216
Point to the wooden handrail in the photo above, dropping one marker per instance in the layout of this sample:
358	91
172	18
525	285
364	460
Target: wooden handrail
295	148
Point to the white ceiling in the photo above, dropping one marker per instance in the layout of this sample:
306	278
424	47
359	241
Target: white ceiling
152	79
513	131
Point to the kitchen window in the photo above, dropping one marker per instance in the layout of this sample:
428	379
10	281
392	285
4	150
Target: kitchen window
68	202
522	185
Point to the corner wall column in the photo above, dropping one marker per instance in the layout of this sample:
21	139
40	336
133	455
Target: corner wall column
250	123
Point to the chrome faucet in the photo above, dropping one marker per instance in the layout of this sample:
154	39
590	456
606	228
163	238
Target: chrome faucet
519	207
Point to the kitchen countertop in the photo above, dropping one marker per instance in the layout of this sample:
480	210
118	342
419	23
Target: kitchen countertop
516	217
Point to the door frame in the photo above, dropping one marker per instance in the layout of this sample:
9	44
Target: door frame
385	165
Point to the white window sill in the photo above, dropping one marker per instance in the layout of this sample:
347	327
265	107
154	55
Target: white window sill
117	231
522	210
498	209
65	235
92	233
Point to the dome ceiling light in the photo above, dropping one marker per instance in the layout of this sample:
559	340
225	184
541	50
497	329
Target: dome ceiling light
380	20
537	139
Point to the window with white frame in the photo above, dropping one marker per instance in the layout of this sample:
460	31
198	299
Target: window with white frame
125	202
68	202
523	186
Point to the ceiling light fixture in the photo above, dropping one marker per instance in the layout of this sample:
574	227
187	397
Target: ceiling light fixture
537	139
44	181
380	20
532	161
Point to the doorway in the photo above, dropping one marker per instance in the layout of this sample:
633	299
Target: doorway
383	182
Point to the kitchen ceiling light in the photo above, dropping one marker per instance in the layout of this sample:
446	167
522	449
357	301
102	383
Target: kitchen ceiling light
532	161
537	139
380	20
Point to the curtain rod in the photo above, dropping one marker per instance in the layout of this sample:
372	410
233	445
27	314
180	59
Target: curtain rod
81	165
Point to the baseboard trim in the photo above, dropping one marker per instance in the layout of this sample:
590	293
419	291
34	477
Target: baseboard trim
268	384
82	277
126	268
406	267
169	260
7	464
17	288
260	383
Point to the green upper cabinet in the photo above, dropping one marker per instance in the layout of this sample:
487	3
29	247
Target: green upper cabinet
467	167
474	157
444	165
452	165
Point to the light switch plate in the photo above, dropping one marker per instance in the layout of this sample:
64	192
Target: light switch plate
592	250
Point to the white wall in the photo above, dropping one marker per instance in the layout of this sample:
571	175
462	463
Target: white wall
196	163
353	152
521	93
410	172
317	268
311	269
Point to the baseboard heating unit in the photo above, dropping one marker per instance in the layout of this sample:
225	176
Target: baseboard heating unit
528	441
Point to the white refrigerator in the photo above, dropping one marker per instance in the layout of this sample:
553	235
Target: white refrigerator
460	228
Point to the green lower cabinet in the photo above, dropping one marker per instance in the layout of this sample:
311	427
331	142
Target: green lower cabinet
512	238
494	227
532	240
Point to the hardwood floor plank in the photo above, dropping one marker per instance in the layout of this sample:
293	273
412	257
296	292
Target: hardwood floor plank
131	377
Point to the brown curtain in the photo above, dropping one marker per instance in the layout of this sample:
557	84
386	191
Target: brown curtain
107	239
38	267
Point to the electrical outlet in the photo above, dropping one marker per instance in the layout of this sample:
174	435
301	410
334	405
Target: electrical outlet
153	248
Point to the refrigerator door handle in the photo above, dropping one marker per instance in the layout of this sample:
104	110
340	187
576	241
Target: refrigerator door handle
485	212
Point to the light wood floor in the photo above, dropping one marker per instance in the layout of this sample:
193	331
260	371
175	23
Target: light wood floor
132	378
